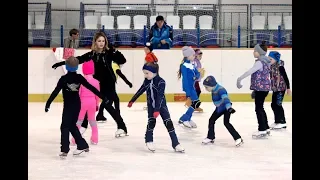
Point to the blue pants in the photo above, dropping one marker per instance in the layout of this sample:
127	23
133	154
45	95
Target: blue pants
165	115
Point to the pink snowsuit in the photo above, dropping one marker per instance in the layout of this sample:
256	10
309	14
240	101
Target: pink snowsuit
89	101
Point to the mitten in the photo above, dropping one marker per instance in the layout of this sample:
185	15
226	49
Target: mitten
55	66
156	114
253	94
46	109
231	110
130	104
129	84
239	85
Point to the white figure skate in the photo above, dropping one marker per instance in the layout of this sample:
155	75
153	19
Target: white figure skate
207	141
120	133
179	148
239	142
79	152
150	146
260	134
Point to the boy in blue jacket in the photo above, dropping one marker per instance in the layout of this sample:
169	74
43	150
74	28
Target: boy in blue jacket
156	105
189	76
223	107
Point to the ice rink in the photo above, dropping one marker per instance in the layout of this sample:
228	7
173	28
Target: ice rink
128	158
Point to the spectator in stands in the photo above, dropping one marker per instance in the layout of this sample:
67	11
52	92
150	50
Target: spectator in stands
73	40
160	34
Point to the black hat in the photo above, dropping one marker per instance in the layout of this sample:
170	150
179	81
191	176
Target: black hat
149	46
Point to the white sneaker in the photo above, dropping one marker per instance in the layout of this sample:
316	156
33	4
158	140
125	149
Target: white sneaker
259	134
239	142
150	146
120	132
179	148
280	126
78	152
208	141
193	124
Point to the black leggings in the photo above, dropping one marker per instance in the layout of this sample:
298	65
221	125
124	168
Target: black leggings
259	99
276	105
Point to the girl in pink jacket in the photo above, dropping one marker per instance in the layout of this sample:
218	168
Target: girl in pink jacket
89	101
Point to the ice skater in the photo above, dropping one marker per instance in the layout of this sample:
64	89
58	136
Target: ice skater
223	105
198	65
157	105
261	85
189	76
70	84
279	85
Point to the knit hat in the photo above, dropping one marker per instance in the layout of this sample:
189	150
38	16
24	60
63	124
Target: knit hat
88	68
72	64
258	49
210	81
149	46
187	51
150	68
198	52
275	55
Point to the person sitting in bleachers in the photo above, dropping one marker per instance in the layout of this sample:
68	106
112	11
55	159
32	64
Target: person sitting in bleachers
73	40
160	34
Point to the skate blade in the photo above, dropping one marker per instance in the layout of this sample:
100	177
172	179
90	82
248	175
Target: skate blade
279	129
208	143
152	150
120	135
182	151
62	157
260	136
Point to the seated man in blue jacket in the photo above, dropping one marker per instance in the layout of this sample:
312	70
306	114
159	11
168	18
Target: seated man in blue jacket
160	34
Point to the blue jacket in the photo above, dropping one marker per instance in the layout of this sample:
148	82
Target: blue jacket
189	76
220	98
156	35
155	93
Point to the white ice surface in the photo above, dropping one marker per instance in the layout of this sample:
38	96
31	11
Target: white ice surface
127	158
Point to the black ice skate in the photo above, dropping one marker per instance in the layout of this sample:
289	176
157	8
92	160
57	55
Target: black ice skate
101	118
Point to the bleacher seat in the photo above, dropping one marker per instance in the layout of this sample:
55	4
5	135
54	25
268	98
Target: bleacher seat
205	22
139	21
173	21
152	20
274	22
29	22
124	35
107	22
258	22
39	21
123	22
91	22
287	21
189	22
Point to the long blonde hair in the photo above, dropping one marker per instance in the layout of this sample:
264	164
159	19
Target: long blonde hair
96	37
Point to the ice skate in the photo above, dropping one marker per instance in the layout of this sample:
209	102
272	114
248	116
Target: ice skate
188	103
239	142
63	155
101	118
279	126
273	125
268	132
150	146
120	132
199	110
185	124
260	134
93	142
193	124
77	152
179	148
207	141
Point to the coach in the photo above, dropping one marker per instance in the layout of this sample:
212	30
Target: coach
160	34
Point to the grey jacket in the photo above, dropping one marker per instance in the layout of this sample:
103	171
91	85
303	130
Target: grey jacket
69	43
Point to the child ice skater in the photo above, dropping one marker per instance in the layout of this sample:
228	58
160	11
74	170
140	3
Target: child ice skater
189	75
261	85
89	102
157	105
198	66
279	85
116	66
70	84
223	107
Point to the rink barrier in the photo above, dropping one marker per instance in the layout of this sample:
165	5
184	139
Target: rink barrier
225	64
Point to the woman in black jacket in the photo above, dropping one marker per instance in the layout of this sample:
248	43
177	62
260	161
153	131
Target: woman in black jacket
102	55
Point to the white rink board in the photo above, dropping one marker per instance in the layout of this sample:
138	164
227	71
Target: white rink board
128	158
